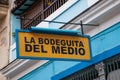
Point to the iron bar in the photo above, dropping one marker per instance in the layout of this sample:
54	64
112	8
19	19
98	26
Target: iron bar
59	22
81	24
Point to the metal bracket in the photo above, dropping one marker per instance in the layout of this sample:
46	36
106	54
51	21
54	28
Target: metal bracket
82	30
81	24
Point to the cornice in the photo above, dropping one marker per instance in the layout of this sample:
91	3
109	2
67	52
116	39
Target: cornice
94	14
21	67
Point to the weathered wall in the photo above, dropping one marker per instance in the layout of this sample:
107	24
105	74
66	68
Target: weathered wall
4	42
4	36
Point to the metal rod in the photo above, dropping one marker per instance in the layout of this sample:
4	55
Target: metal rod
81	27
59	22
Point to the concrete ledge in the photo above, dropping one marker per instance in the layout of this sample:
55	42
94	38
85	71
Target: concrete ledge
3	10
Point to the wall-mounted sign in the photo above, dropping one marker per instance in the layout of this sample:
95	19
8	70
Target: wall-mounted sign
35	45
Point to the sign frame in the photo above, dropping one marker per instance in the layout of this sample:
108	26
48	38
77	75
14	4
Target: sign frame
55	32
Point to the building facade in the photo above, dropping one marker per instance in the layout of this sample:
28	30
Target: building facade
4	34
105	40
